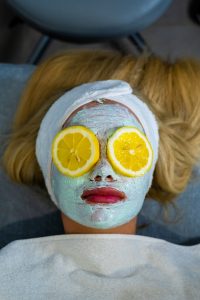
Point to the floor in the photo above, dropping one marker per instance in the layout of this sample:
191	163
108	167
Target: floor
173	35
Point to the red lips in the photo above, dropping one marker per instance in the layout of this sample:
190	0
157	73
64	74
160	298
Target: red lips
104	195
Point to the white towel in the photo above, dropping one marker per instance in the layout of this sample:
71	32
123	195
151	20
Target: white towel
99	267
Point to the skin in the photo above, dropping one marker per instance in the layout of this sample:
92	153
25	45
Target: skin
71	225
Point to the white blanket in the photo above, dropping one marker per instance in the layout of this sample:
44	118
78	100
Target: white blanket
97	267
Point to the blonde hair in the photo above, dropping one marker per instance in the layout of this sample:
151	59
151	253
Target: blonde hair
171	90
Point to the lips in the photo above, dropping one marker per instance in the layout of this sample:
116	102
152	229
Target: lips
103	195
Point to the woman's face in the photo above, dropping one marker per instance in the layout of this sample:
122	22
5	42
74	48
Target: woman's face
103	120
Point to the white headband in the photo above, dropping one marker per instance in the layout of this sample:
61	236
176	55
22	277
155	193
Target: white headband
116	90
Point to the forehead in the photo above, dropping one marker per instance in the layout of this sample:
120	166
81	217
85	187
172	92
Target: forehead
104	117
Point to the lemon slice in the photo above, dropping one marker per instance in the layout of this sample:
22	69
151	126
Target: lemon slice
75	150
130	152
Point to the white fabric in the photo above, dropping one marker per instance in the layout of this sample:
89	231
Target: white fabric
116	90
100	266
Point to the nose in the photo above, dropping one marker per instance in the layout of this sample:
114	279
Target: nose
103	171
108	178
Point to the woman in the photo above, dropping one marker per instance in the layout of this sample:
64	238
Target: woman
99	193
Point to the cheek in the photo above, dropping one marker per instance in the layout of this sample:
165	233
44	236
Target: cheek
137	188
66	188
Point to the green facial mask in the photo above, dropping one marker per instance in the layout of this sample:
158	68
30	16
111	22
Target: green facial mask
103	120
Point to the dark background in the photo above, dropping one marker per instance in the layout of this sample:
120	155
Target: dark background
173	35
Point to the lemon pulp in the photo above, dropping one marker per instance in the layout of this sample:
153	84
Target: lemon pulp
130	152
75	150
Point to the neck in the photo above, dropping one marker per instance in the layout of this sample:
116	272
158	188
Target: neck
72	227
